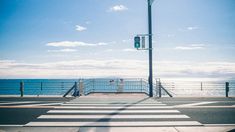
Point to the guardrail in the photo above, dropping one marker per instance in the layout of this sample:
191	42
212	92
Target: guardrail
199	88
137	85
35	87
79	87
73	87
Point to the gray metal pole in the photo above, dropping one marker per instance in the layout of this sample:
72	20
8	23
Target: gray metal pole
226	88
21	89
150	49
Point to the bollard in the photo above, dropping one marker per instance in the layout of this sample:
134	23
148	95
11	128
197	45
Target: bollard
226	88
21	89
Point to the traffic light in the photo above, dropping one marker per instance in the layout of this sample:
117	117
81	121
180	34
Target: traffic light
137	42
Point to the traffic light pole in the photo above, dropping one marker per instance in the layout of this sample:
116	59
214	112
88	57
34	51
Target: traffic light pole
150	48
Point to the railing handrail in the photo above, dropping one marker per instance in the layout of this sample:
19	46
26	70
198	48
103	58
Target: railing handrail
69	90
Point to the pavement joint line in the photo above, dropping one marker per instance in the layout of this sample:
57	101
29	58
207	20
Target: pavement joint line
20	102
230	106
175	101
219	125
40	107
11	125
44	104
196	104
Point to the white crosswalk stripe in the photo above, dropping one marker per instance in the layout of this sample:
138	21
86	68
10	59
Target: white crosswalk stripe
113	107
112	111
108	114
111	116
81	105
119	124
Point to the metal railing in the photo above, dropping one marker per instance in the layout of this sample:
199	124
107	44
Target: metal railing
198	88
71	87
35	87
136	85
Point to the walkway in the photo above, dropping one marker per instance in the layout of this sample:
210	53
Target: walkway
118	112
122	111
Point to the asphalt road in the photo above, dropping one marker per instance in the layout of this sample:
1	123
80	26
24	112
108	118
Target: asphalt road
205	115
19	111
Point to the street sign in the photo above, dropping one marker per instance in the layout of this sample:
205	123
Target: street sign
143	42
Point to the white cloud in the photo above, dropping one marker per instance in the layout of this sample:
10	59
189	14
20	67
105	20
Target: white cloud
115	67
191	47
109	50
73	44
192	28
187	29
129	50
188	48
117	8
80	28
170	35
62	50
126	40
121	50
70	69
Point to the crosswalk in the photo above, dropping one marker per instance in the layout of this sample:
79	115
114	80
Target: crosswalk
111	114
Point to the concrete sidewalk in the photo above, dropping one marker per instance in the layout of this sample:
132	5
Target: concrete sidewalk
119	129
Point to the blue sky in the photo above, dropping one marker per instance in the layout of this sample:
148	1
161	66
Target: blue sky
94	38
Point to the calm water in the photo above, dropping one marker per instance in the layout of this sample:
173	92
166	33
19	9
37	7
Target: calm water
60	86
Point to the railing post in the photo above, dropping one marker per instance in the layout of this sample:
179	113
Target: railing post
41	86
21	89
160	89
226	88
141	84
93	85
81	87
62	86
201	86
75	89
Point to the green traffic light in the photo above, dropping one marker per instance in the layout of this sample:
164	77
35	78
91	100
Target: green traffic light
137	42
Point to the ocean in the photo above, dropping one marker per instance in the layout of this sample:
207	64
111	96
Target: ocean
41	87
